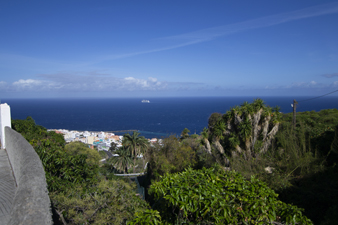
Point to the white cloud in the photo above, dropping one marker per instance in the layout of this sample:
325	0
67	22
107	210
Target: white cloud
311	84
151	83
27	83
86	82
92	82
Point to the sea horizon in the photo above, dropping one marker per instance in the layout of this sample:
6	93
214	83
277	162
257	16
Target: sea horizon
163	116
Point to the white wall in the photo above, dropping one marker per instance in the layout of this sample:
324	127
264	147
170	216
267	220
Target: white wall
5	121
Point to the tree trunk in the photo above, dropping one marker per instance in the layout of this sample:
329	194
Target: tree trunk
247	144
61	216
255	126
218	146
126	169
266	126
238	119
135	151
269	138
239	150
208	147
134	164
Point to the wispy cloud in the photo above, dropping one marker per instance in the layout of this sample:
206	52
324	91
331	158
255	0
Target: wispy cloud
92	82
209	34
330	75
151	50
309	85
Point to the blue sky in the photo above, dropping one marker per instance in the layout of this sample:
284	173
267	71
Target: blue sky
168	48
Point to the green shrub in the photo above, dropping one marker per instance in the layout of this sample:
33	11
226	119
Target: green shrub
214	196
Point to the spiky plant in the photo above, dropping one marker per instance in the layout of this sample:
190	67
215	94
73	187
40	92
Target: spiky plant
249	129
218	132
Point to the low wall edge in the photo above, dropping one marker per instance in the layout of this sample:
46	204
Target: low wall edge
31	203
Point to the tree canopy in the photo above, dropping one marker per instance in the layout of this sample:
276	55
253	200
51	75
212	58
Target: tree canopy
78	192
214	196
137	144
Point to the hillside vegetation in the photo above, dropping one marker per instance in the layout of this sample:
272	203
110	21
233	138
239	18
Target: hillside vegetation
78	188
249	166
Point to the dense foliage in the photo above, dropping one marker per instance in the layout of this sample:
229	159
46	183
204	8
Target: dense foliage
245	131
214	196
191	178
299	164
317	127
79	148
137	145
107	202
123	160
171	156
63	169
79	193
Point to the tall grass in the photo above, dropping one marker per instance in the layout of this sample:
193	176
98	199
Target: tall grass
290	157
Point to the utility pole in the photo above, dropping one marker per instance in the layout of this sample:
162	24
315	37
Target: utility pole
294	112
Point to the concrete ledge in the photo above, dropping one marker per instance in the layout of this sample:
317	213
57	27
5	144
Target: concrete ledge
31	205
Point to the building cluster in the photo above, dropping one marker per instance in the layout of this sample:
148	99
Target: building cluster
101	140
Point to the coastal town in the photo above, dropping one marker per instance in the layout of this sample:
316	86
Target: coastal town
94	139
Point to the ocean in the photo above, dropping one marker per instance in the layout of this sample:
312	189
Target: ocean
159	118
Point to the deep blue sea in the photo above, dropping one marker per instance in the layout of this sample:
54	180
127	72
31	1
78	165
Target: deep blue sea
161	117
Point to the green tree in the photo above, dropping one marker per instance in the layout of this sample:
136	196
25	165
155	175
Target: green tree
77	148
185	133
107	202
79	194
124	159
146	217
138	145
63	169
113	147
170	157
250	128
214	196
213	119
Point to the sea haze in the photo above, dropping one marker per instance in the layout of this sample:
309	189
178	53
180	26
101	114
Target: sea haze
160	117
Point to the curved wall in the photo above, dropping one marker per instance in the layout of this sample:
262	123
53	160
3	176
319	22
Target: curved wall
31	205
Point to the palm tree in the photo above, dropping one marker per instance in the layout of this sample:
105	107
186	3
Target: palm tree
138	144
185	133
124	159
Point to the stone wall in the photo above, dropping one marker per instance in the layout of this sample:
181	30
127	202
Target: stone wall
31	204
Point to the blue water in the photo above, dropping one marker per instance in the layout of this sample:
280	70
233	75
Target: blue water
160	117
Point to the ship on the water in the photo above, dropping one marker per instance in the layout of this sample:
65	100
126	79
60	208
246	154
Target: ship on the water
145	101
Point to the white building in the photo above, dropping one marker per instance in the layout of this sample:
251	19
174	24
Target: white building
101	135
86	134
5	121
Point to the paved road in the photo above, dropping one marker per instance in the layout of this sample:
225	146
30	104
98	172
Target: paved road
109	154
7	187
